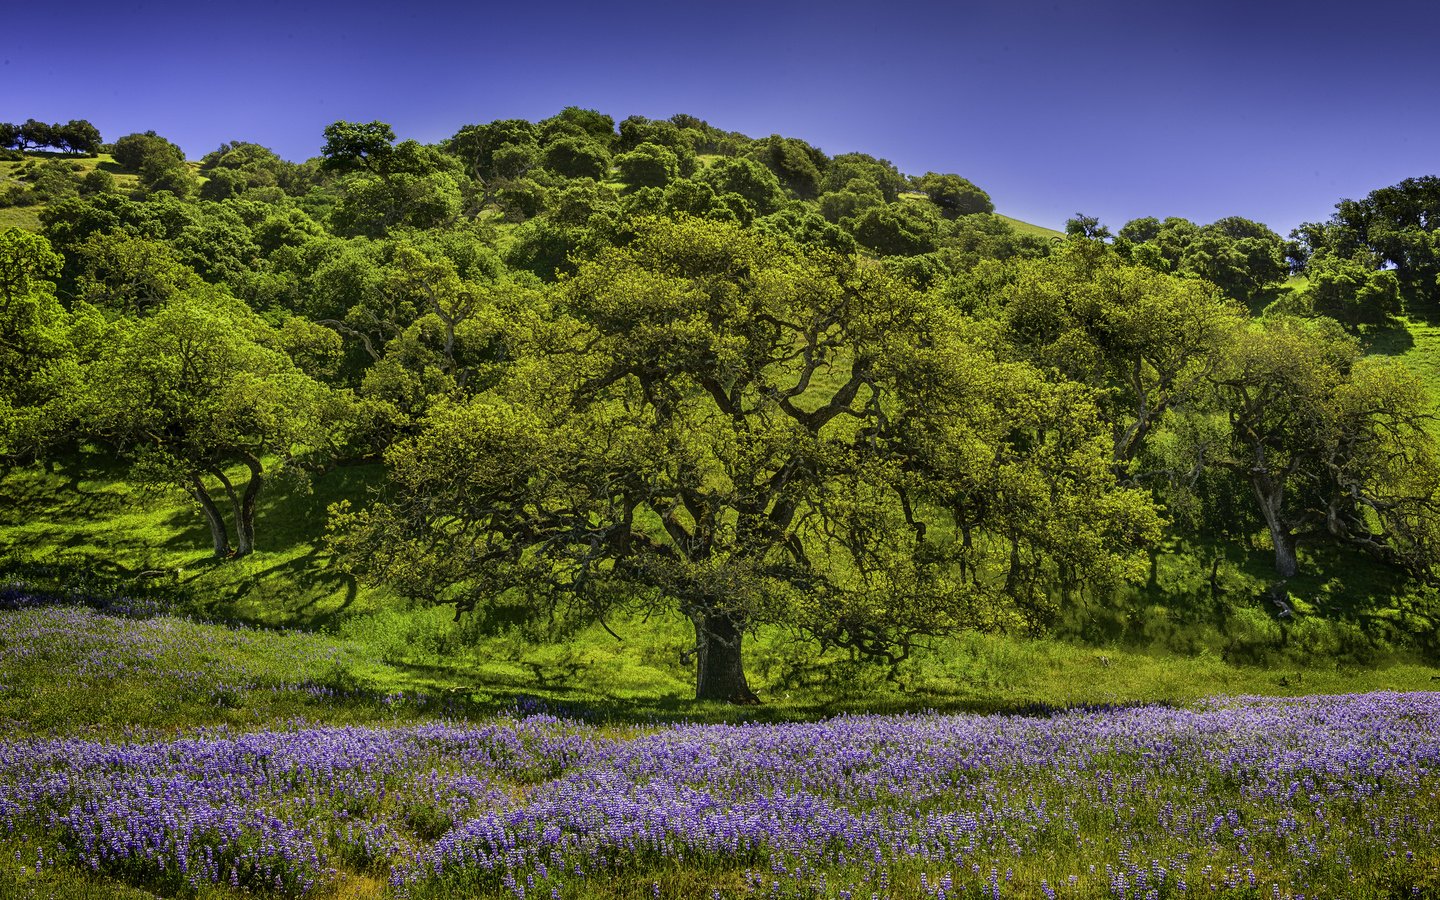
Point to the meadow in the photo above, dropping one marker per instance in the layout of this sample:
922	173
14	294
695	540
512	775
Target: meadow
182	728
151	754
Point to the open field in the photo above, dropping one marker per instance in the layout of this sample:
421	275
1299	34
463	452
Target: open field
1309	797
1174	643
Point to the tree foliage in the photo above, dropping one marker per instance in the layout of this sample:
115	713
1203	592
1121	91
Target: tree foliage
1399	226
955	196
36	377
756	436
1244	258
77	136
672	366
201	386
1331	445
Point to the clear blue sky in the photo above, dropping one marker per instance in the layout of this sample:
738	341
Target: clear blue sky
1269	110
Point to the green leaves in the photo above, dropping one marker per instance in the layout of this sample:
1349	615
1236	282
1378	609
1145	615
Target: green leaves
201	385
954	195
758	434
36	370
358	144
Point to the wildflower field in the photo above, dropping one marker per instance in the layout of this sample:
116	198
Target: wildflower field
1309	796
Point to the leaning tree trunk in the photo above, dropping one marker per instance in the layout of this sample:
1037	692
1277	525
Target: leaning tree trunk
219	535
719	672
244	504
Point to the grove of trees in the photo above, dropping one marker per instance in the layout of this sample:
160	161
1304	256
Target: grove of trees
76	136
661	365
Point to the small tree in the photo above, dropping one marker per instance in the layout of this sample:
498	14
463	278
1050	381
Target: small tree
1354	291
200	386
133	150
747	178
34	133
577	157
954	195
648	165
79	136
365	145
1331	445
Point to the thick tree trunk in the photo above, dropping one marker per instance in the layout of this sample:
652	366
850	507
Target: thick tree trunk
219	535
719	672
1272	500
1286	565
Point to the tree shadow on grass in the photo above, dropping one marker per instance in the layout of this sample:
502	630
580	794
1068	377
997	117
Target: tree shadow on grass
63	492
298	592
1391	339
489	697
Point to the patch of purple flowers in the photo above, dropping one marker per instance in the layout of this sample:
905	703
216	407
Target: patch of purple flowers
1284	798
80	649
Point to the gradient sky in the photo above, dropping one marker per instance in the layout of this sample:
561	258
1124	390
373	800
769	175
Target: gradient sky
1268	110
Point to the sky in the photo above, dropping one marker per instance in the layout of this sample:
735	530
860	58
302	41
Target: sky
1269	110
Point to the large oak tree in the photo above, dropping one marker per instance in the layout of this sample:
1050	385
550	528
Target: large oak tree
756	435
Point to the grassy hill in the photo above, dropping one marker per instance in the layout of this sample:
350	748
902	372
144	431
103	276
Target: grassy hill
1174	639
23	210
120	636
1029	228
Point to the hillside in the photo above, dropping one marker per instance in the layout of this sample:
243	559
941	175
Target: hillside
385	284
611	511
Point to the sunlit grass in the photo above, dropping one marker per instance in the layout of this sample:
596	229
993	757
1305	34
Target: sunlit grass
1029	228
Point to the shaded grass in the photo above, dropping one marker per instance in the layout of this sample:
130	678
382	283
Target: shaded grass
1175	640
23	882
84	515
397	664
1171	642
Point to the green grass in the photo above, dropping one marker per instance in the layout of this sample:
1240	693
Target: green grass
368	647
1026	672
14	172
86	513
638	678
1176	640
1029	228
1171	642
24	217
24	883
1422	355
1416	344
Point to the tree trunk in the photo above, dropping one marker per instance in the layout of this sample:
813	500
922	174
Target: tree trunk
245	512
1286	564
1272	501
218	533
719	672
